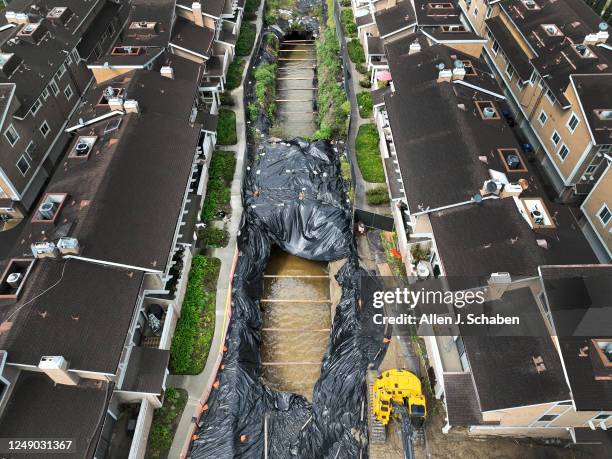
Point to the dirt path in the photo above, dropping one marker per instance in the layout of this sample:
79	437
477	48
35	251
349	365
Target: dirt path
457	444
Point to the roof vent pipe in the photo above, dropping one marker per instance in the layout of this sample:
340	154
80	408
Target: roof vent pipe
167	71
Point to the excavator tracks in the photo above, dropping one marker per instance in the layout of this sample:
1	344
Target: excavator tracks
376	429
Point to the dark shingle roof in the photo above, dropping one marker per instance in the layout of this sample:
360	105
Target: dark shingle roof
479	239
503	368
39	64
516	56
192	37
364	20
427	15
38	408
134	215
579	301
437	131
375	46
159	11
594	94
555	56
79	310
93	35
461	399
394	19
146	370
125	200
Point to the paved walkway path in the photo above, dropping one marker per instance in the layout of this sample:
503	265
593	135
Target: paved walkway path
361	186
197	385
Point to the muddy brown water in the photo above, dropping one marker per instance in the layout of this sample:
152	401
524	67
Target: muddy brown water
295	89
296	322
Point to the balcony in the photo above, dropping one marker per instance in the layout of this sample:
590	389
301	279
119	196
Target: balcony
124	434
154	324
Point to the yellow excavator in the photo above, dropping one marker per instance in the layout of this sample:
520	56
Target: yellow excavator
397	395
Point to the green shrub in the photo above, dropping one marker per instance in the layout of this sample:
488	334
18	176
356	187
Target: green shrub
355	52
244	45
377	196
265	88
218	191
419	254
361	68
368	154
348	22
364	101
226	127
330	23
234	74
162	429
331	98
252	111
365	82
251	6
345	3
195	328
270	19
211	236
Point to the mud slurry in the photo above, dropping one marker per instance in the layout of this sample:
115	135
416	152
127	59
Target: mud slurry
296	318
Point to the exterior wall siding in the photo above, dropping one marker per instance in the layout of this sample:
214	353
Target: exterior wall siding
600	195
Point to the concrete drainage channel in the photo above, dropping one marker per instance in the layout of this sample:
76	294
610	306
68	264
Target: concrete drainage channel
292	382
296	87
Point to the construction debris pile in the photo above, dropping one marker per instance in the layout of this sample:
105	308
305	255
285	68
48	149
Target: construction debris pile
293	198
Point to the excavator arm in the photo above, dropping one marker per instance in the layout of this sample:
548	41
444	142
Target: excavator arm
407	430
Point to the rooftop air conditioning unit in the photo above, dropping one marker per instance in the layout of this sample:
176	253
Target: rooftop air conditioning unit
56	367
43	250
538	217
14	279
488	112
68	245
492	187
47	210
513	161
81	148
109	92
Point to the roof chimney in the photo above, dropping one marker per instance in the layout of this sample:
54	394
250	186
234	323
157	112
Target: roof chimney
498	283
600	37
458	70
56	367
16	18
167	71
131	106
196	7
444	74
115	103
415	47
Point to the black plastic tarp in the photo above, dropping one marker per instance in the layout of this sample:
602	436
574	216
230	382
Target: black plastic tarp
294	199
